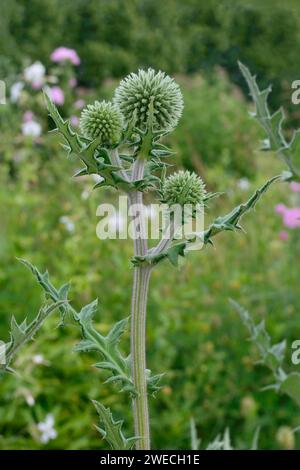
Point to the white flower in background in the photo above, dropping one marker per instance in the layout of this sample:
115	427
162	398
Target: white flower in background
39	359
31	128
46	429
67	222
29	399
35	74
243	184
15	91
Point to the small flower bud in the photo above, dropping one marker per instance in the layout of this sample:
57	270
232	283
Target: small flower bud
182	188
101	119
138	90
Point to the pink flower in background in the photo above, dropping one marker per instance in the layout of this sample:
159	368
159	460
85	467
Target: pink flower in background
79	104
28	116
283	235
295	187
290	217
61	54
37	85
57	95
280	208
74	121
73	82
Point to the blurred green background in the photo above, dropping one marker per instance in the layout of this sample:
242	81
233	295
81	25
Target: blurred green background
49	218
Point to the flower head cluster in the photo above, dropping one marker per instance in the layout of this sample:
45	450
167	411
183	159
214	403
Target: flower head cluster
62	54
101	119
183	188
139	91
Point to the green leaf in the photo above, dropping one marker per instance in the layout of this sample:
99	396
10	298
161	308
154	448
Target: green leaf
291	386
74	142
22	333
50	291
92	339
271	356
88	151
271	123
195	441
221	443
107	346
111	430
229	222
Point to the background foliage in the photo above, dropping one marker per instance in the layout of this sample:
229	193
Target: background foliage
49	218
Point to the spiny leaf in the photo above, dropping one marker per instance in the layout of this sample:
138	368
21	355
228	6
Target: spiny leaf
229	222
221	442
107	346
272	124
93	340
114	361
291	386
111	430
153	382
22	333
271	356
88	151
195	441
54	294
72	138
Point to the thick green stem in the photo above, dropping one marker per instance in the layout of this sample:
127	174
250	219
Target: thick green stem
138	319
138	355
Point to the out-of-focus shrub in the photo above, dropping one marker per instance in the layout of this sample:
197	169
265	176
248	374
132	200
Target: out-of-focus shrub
113	37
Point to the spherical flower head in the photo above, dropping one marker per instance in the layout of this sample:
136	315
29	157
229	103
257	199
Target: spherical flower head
183	188
101	119
138	90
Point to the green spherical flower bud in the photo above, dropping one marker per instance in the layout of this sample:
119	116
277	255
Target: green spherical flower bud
138	90
101	119
183	188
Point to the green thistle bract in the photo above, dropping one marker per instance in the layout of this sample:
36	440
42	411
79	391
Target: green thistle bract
137	90
182	188
101	119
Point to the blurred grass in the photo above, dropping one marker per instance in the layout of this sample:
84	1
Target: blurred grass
193	334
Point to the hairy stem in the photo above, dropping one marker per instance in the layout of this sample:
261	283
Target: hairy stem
138	318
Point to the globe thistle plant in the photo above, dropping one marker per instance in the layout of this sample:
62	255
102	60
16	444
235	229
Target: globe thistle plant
101	119
130	157
183	188
139	91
